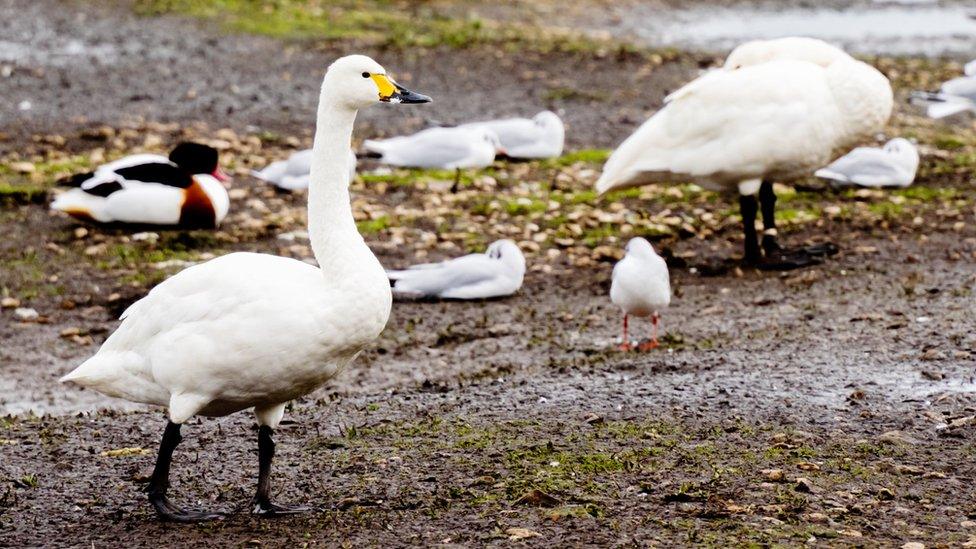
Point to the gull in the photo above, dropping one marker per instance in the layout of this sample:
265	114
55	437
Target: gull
292	174
894	165
541	136
442	148
496	273
641	287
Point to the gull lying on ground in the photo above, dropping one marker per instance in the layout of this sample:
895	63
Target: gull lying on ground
894	165
954	96
542	136
443	148
292	174
641	287
496	273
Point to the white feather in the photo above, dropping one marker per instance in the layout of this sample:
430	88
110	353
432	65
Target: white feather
641	284
894	165
497	272
541	136
293	173
444	148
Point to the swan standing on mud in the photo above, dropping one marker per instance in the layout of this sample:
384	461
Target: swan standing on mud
778	110
250	330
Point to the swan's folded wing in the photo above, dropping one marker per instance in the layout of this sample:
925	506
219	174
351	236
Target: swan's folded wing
741	121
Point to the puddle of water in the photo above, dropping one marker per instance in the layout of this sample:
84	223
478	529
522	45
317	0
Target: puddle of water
889	29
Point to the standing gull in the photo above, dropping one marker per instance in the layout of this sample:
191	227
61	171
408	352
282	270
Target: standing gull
641	287
743	128
249	330
541	136
442	148
496	273
892	166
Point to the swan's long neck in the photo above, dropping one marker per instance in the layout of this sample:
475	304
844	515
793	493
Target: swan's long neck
336	242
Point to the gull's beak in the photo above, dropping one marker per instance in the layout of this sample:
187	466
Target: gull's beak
391	92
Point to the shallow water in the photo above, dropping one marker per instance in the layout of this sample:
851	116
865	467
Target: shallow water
881	29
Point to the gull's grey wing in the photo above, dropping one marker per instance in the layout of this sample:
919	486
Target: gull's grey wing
448	277
864	166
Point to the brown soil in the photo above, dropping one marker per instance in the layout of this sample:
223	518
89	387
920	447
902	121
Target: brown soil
831	406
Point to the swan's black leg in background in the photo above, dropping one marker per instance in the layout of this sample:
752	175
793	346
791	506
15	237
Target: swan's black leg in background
748	206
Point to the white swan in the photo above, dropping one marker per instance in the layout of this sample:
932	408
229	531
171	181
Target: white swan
250	330
443	148
496	273
541	136
183	190
292	174
743	128
641	287
894	165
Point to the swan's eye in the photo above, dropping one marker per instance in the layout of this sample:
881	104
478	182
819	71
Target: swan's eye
365	75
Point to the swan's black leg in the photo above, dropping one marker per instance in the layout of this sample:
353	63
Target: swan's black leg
262	499
748	207
776	257
159	483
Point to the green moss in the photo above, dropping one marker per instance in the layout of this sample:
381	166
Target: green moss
379	22
373	226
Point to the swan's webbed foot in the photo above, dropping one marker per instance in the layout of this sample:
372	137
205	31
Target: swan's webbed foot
168	512
268	509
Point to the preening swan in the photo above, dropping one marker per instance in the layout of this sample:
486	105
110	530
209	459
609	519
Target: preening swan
250	330
741	128
641	287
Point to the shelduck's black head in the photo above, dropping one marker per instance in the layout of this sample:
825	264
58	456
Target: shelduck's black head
195	158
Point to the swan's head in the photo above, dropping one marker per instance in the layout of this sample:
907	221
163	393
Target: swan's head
197	158
357	82
797	48
508	253
640	247
904	150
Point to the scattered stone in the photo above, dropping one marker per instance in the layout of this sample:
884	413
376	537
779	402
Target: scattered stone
537	498
774	475
9	303
913	545
819	518
516	534
804	485
23	167
850	533
149	237
933	354
70	332
26	314
896	438
125	452
934	375
808	466
592	418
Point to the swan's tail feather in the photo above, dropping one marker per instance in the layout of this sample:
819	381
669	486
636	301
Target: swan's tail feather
105	372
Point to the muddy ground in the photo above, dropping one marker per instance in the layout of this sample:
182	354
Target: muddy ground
832	406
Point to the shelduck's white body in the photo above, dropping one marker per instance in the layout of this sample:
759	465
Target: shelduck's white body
541	136
779	109
443	148
254	330
139	202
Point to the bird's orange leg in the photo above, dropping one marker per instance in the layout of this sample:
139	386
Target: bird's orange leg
625	343
653	343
